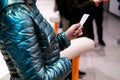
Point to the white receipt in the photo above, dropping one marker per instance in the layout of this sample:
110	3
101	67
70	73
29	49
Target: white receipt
83	19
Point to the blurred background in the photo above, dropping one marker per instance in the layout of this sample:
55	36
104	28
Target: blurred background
104	62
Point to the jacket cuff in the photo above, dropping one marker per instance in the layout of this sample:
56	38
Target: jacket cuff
63	41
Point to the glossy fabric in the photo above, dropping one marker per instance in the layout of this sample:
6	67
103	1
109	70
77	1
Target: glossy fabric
29	45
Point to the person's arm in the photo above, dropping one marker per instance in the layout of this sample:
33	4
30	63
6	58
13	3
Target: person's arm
80	8
73	32
63	41
22	44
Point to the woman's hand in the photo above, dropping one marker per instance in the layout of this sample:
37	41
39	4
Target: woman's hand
97	2
74	31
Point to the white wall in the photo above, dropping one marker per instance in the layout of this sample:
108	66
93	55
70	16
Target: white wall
3	68
113	7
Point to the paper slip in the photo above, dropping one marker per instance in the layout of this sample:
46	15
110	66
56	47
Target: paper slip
83	19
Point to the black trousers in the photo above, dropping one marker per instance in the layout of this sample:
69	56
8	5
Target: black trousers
99	24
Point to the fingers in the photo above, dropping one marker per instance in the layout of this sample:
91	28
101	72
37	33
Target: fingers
74	31
77	26
81	34
78	32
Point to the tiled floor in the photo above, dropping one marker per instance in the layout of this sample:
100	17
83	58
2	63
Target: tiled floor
104	62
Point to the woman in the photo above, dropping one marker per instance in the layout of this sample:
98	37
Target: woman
29	45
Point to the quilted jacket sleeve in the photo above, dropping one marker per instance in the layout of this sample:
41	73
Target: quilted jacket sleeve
22	45
63	41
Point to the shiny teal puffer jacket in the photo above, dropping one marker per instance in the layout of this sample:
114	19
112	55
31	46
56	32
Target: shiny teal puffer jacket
29	45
